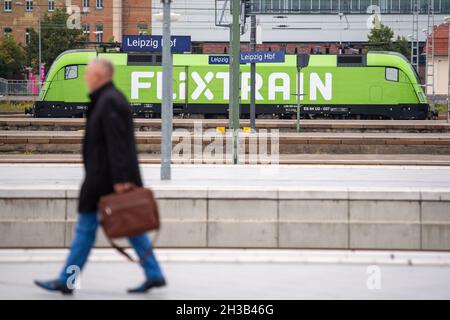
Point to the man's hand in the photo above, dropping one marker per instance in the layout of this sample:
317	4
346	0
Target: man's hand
123	187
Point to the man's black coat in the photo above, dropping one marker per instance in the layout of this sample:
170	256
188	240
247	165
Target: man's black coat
109	147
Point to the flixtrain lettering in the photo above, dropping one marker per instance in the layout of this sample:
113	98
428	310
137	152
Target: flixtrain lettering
212	86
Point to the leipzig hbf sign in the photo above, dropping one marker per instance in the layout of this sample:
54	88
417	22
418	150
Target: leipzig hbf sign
146	43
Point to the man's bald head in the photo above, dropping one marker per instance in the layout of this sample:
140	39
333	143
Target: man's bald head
104	67
98	73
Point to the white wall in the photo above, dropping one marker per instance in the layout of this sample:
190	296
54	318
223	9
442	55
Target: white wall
197	20
440	76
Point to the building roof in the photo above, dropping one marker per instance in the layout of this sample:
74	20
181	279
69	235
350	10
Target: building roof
440	39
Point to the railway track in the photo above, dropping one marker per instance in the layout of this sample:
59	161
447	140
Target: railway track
282	143
412	126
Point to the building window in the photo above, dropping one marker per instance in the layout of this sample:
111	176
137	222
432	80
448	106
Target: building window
51	5
86	28
345	6
85	5
27	36
7	31
99	4
445	7
29	5
395	6
7	6
142	28
405	6
325	6
99	33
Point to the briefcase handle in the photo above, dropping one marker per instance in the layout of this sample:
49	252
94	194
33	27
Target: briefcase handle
125	254
132	187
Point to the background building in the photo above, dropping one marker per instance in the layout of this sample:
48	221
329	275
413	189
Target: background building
101	20
318	26
440	61
17	17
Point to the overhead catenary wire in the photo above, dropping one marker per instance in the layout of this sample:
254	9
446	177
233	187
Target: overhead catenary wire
202	27
194	24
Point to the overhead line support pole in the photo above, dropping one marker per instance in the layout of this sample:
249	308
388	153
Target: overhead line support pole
253	75
167	92
235	77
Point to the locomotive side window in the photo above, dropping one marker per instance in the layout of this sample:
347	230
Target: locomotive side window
71	72
392	74
351	60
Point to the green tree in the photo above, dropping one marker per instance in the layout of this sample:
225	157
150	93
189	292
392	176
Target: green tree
11	58
402	46
55	38
381	37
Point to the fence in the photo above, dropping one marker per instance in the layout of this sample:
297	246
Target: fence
3	86
19	87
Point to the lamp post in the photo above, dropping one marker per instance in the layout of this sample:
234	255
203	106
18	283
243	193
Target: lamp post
39	43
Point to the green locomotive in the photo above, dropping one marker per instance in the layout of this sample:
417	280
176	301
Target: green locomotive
376	85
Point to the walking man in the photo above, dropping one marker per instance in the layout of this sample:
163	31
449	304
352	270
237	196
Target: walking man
111	165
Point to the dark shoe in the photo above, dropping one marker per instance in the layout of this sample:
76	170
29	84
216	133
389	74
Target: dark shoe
54	285
147	285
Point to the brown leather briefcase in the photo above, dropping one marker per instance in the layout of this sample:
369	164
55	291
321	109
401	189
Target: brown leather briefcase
128	214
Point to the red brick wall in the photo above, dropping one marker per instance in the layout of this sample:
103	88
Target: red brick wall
19	20
440	39
97	16
135	12
291	48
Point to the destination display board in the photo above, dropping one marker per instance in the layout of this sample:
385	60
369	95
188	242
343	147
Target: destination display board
262	57
219	59
250	57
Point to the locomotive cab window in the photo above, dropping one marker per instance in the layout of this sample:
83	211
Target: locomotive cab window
392	74
71	72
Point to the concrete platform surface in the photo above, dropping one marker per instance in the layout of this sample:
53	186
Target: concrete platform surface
345	207
236	274
333	176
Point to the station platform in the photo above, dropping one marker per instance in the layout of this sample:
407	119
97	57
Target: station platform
220	206
239	274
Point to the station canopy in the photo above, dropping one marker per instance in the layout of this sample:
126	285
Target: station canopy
346	6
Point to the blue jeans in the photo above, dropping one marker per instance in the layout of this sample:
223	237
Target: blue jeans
85	233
